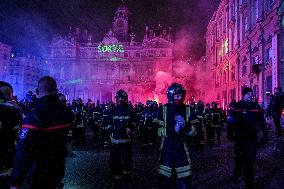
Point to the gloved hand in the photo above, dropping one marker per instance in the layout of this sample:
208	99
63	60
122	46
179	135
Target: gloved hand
179	123
162	132
193	131
231	119
128	131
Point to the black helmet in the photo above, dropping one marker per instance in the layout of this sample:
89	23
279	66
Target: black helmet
121	94
175	88
148	102
5	90
214	104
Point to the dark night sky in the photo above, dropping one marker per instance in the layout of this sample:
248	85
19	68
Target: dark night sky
28	25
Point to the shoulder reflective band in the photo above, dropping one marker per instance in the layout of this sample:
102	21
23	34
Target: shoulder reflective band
187	114
55	127
30	127
194	121
246	110
162	123
6	172
121	117
165	115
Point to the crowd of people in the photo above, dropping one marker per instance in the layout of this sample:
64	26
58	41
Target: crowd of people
34	133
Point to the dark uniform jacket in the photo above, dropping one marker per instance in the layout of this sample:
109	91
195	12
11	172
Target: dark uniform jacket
147	118
119	119
10	119
217	117
42	142
276	105
174	152
249	120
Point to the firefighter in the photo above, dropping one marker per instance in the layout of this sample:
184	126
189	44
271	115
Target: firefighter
106	123
216	124
248	120
175	122
10	120
120	122
275	108
146	125
93	120
200	127
207	122
41	148
79	123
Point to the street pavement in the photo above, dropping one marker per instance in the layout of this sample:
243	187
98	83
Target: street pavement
87	167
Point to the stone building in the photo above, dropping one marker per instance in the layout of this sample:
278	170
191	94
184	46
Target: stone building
94	70
245	47
5	55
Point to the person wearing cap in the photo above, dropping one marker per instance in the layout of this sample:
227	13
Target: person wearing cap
275	108
176	123
41	147
10	120
248	119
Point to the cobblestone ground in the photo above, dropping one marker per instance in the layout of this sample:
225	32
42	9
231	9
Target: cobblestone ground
87	167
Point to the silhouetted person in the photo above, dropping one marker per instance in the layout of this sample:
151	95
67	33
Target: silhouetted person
248	119
275	108
10	119
41	149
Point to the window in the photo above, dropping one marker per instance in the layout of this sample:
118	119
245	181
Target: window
256	91
255	60
256	9
268	58
269	83
233	10
217	81
244	70
233	44
233	94
269	4
233	72
246	24
219	29
224	77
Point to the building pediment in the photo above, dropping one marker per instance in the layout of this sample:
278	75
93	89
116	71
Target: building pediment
157	43
62	43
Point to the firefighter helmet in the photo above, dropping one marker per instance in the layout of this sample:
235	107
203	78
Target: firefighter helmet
175	88
121	94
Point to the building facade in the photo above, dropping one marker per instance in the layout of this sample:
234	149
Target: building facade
5	55
245	47
96	70
21	71
24	73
